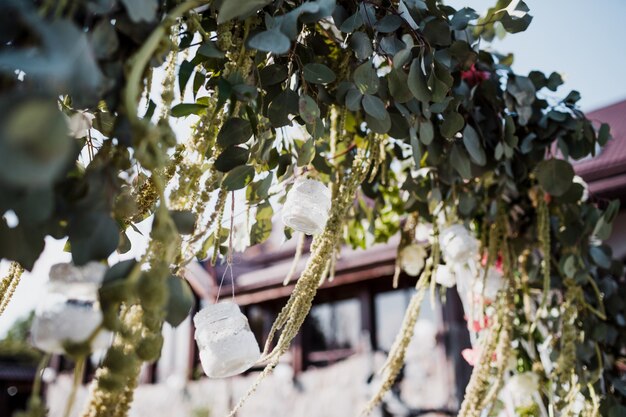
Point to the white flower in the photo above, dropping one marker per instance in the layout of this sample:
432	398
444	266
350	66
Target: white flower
424	232
412	259
493	283
444	275
80	123
521	388
578	180
457	244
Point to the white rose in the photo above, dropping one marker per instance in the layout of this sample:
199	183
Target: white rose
578	180
521	388
457	244
444	275
412	259
80	123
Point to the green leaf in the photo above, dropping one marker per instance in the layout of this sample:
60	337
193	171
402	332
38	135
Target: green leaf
451	124
361	44
141	10
209	50
604	134
93	236
273	74
232	9
306	153
184	73
353	99
184	220
473	146
262	228
555	176
366	79
281	107
398	80
375	107
516	19
235	131
426	132
380	126
437	31
388	23
231	157
417	82
352	23
600	257
309	111
186	109
318	74
460	162
180	300
238	178
272	40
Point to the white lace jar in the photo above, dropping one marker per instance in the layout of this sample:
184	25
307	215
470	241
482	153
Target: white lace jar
307	206
226	343
70	311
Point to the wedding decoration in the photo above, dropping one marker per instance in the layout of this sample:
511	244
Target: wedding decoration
402	109
227	345
306	206
70	311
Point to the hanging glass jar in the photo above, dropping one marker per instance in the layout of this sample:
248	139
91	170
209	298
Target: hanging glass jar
226	343
307	206
70	311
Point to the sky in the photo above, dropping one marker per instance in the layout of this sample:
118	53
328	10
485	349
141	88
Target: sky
582	40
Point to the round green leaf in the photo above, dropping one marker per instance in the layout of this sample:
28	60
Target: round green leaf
473	146
238	178
234	132
179	301
231	157
318	74
555	176
366	79
374	107
270	41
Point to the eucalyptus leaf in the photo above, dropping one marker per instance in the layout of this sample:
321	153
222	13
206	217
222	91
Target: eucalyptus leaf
272	40
374	106
235	131
238	178
366	79
186	109
235	9
555	176
180	300
471	140
318	74
417	83
231	157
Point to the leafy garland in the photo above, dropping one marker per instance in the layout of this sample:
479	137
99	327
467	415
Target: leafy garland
405	116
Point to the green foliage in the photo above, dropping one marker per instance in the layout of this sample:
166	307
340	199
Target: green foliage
15	346
455	126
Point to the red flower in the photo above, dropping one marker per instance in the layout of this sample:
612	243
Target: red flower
474	76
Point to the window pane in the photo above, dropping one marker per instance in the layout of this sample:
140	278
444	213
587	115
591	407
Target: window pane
390	308
334	325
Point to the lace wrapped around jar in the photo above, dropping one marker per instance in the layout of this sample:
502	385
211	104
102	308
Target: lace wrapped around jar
306	206
226	343
70	311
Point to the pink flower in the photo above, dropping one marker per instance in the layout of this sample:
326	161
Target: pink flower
471	356
474	76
